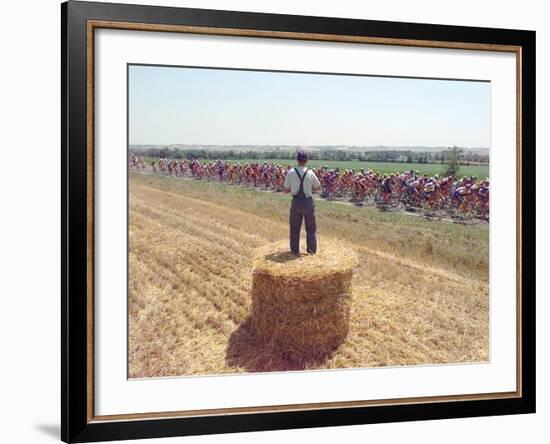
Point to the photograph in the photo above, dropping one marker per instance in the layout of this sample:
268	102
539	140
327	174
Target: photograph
278	221
305	221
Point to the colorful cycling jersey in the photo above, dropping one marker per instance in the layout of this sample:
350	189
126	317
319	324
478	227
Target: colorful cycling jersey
386	185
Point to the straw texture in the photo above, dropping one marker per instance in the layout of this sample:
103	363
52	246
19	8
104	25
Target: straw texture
301	304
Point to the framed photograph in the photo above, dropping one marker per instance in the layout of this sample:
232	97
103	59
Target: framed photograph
196	144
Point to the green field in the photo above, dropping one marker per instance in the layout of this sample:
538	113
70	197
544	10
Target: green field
481	171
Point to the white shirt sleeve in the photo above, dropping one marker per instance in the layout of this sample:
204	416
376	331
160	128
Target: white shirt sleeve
315	182
287	179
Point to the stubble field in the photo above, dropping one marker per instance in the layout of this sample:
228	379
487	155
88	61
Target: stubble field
420	293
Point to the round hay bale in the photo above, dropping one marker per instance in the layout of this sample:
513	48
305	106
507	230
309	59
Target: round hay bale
301	304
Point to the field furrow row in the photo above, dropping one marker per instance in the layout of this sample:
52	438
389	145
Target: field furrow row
189	252
214	223
183	276
247	221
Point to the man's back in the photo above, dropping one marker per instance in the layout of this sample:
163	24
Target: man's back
292	180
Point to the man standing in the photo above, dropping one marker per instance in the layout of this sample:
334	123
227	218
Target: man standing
302	183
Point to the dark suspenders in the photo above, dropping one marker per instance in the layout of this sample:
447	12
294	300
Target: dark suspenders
300	194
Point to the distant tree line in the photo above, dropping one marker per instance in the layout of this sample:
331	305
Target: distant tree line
464	157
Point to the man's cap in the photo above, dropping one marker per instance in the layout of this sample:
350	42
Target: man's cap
301	156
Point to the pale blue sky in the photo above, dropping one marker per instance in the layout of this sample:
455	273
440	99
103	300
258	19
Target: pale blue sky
231	107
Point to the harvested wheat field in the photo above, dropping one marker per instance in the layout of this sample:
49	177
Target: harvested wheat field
420	290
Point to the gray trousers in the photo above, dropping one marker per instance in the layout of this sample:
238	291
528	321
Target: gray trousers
302	209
